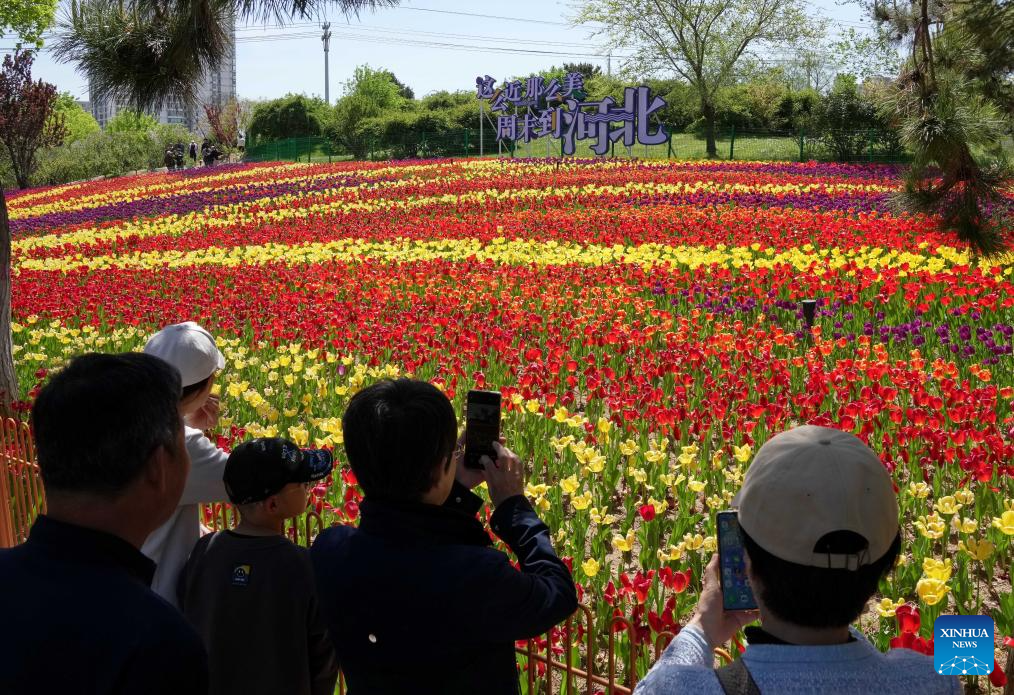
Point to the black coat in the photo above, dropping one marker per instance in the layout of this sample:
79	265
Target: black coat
78	617
417	601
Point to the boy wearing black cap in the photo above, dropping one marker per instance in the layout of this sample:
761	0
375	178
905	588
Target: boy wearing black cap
250	592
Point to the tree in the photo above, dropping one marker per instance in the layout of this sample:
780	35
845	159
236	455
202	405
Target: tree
27	19
78	122
369	94
131	121
27	118
151	51
292	116
953	103
26	124
224	122
403	89
704	42
848	121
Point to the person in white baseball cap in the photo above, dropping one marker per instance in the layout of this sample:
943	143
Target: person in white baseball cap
819	525
192	350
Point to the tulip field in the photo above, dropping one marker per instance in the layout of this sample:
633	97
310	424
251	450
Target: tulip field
642	320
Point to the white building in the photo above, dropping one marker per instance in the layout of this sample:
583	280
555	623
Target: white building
218	87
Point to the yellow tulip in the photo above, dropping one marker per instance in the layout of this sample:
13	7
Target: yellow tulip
947	506
569	485
581	502
1005	522
964	496
654	456
624	544
962	525
659	505
299	435
937	569
693	542
590	567
532	405
536	490
978	550
637	474
742	453
887	607
920	490
628	447
696	486
931	591
931	526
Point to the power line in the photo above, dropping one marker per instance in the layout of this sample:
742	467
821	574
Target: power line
492	16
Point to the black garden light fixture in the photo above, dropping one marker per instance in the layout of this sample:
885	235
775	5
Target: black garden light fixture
809	312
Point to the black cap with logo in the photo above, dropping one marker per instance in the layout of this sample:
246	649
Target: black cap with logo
260	468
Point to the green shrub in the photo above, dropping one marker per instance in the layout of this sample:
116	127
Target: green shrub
292	116
107	154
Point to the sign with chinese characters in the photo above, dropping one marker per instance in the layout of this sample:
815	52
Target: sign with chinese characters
558	109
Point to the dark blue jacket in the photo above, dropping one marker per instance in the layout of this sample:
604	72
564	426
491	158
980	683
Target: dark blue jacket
417	601
78	617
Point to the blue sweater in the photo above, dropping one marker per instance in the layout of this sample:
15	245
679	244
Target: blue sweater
854	667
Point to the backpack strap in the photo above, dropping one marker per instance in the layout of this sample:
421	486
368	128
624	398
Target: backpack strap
735	679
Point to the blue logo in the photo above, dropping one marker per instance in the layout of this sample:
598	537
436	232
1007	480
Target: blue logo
963	645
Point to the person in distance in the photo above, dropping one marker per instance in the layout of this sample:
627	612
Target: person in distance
78	613
416	600
819	521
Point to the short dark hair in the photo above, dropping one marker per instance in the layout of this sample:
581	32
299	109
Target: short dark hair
397	435
98	421
818	597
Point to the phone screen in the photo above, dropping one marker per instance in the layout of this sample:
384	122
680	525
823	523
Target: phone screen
736	592
482	426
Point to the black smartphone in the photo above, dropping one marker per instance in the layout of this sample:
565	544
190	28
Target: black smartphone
736	592
482	426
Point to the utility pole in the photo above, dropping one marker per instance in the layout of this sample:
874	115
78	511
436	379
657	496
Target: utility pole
326	38
609	63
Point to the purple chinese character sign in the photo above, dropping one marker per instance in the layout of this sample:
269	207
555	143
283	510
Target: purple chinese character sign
538	108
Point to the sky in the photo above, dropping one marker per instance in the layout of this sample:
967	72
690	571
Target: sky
429	45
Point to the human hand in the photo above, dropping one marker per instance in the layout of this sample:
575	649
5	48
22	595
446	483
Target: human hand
718	624
504	476
207	416
469	477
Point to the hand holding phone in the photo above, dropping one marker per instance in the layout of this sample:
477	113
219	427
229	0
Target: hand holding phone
736	592
710	617
482	426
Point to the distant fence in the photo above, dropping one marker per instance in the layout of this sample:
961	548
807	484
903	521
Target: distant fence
731	144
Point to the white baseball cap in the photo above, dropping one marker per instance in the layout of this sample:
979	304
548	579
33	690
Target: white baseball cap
811	481
189	348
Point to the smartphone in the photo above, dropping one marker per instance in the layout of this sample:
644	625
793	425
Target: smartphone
736	592
482	426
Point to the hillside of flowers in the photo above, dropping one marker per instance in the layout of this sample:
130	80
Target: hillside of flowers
642	319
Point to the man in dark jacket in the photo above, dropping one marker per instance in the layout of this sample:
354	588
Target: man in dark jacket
416	599
77	612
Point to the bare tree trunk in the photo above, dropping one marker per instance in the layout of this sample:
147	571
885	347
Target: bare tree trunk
8	377
708	111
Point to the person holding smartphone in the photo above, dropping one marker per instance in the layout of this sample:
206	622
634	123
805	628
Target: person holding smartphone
416	599
816	530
